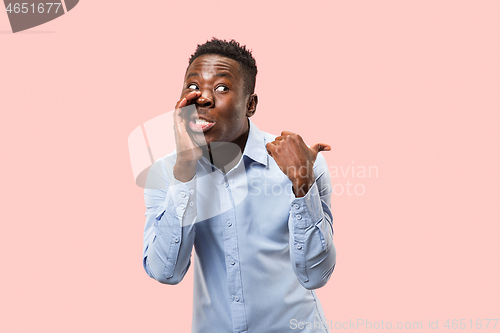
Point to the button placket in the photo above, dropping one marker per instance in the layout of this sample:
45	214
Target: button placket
230	236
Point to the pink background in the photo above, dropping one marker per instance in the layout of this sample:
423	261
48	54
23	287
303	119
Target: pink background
411	87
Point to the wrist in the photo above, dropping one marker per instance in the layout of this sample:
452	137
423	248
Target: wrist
301	186
184	172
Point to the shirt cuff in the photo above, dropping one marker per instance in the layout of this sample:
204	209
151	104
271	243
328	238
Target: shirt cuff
182	201
307	210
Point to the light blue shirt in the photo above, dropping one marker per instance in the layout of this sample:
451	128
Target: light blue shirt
259	251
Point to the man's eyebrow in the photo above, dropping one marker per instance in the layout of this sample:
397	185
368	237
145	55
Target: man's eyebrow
221	74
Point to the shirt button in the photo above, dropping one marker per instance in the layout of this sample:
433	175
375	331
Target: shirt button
232	262
299	247
236	298
183	194
298	216
191	191
226	184
182	206
296	206
229	223
191	204
176	239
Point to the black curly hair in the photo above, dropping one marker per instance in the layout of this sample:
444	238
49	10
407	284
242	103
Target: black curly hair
235	51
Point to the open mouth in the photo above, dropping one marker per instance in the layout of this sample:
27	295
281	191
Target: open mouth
200	125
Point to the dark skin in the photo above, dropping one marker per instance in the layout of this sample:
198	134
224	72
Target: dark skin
215	86
296	160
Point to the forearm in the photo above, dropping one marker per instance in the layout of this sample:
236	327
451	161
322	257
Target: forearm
169	231
167	257
312	250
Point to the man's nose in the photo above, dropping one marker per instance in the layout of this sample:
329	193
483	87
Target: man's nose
205	100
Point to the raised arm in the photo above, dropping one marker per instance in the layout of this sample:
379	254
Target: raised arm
170	225
170	198
312	251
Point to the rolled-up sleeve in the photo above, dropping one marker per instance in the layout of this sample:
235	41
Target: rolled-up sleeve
310	223
170	225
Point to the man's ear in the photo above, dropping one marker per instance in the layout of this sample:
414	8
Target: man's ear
252	105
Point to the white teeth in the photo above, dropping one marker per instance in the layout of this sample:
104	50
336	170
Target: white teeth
201	122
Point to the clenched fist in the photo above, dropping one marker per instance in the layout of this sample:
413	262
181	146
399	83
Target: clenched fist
296	160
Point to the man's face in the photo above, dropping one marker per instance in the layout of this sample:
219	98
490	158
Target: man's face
222	108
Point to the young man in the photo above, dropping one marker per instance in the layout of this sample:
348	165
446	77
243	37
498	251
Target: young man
256	207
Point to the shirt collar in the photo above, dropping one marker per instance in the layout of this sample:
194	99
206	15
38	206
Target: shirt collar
255	147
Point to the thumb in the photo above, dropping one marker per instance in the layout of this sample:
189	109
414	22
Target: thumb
317	147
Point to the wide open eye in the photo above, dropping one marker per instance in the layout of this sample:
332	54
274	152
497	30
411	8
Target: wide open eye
222	89
192	86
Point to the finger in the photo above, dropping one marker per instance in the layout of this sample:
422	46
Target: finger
180	110
317	147
271	147
285	133
180	103
192	95
185	109
180	115
187	98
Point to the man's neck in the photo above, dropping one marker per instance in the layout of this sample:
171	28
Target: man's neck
225	155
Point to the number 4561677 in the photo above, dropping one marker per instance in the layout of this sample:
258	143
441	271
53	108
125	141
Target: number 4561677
25	8
471	324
